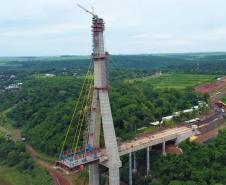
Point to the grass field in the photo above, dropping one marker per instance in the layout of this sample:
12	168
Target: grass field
11	176
179	81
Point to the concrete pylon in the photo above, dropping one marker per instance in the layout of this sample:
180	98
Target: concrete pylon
94	139
101	109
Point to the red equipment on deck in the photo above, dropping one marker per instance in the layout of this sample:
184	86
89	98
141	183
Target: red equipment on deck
77	161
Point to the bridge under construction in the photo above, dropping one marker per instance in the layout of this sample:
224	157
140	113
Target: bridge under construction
99	117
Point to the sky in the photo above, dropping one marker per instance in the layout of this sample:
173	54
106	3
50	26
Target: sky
59	27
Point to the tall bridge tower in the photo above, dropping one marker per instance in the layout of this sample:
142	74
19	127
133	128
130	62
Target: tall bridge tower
92	155
101	114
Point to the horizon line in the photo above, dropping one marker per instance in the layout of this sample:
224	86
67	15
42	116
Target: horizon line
121	54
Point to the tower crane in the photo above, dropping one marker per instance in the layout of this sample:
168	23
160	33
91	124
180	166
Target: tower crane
83	8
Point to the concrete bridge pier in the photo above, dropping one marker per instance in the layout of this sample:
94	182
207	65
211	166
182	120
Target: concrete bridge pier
134	162
94	174
130	169
148	160
114	178
164	148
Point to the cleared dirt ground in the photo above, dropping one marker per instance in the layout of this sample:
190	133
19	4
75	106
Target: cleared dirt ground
211	87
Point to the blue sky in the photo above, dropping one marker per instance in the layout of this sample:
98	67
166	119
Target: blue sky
59	27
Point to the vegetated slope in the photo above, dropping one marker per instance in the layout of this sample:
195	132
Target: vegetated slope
200	164
11	176
136	105
17	167
43	107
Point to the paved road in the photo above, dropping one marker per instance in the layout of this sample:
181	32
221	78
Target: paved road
210	119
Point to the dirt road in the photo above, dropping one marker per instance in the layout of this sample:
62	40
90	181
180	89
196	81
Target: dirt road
58	178
211	87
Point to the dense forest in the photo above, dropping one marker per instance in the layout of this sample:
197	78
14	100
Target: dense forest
194	62
43	107
136	105
200	164
13	154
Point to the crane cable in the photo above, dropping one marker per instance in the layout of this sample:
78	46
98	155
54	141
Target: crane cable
84	103
80	115
87	136
83	116
82	121
75	110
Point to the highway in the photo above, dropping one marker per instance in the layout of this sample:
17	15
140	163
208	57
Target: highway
212	118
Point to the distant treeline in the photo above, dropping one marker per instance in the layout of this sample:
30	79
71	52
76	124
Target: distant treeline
199	63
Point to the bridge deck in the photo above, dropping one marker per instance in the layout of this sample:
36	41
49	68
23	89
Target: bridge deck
72	163
152	139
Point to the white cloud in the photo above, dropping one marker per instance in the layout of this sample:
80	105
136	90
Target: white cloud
53	29
49	26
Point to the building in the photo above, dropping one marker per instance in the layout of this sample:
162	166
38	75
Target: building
188	110
156	123
49	75
12	87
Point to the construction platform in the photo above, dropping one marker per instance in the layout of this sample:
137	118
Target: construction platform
72	162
